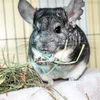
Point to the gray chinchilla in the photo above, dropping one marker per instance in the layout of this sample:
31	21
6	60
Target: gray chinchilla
52	27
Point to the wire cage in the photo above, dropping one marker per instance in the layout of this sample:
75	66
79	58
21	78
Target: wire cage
15	32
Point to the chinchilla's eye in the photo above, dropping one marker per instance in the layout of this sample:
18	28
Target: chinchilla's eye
58	29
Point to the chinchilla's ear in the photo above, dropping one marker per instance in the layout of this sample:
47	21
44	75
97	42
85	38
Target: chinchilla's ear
74	11
26	11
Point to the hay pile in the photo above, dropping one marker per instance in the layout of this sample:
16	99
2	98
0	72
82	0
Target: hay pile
17	76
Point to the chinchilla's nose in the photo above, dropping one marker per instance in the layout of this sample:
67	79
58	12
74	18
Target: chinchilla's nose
44	48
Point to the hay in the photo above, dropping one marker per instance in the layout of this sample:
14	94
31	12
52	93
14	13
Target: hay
18	76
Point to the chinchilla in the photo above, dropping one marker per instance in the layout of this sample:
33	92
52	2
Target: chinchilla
52	27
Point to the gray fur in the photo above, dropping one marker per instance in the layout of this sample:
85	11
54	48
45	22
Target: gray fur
52	27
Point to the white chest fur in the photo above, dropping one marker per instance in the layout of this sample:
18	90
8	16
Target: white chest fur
72	72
